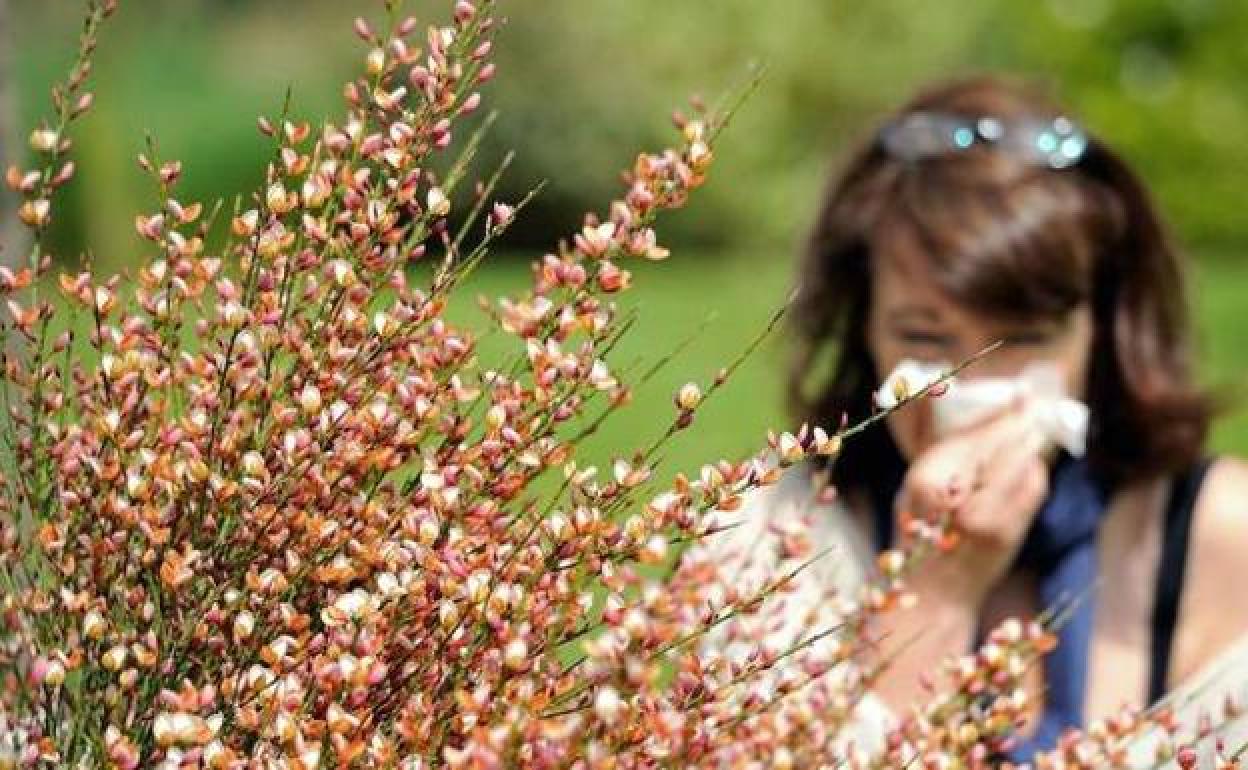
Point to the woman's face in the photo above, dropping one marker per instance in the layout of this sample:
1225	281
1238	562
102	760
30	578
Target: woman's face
909	318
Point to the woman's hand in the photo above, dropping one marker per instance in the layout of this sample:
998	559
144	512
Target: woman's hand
991	479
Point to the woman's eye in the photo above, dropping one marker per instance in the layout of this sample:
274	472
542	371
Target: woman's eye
923	337
1028	338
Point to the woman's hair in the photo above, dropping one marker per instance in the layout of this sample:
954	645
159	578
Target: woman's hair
1013	238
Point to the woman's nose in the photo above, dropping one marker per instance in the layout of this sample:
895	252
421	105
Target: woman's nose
985	360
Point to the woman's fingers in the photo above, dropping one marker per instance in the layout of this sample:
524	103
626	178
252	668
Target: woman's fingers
1013	487
978	463
1015	483
935	483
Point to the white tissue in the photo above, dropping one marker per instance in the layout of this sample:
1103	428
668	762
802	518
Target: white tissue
1062	420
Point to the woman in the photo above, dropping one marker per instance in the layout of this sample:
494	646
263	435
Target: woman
979	214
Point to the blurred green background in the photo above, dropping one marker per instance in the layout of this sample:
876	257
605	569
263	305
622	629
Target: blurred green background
584	84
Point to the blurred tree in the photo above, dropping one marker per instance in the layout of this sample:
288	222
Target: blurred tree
10	232
588	81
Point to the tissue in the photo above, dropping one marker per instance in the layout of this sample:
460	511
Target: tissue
1062	420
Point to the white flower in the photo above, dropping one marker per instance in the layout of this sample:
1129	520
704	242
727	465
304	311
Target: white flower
516	654
439	205
908	378
181	728
608	706
688	397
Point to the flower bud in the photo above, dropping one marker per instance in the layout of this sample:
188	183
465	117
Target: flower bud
35	213
428	530
180	728
244	624
215	756
782	759
471	103
105	300
558	527
420	76
448	614
607	705
54	676
700	154
276	199
44	671
891	562
826	445
84	103
901	389
339	721
516	654
169	172
343	273
254	465
44	140
315	192
611	278
388	585
384	323
376	61
654	551
1187	758
115	658
310	400
694	130
501	214
65	174
245	224
477	586
94	625
496	417
22	182
790	448
439	205
688	397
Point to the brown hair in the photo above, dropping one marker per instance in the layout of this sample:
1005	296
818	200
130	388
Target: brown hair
1016	239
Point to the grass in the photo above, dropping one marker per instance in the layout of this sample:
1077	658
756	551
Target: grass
1218	300
709	308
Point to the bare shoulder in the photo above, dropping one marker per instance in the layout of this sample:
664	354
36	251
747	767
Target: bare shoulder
1218	550
1212	615
1220	528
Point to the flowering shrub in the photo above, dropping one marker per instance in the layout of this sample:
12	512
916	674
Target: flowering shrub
264	506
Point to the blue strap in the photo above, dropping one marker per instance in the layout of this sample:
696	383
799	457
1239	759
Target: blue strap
1060	550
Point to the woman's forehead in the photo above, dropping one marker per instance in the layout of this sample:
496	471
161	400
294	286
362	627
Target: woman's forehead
898	281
